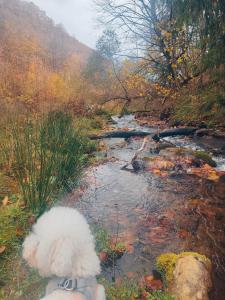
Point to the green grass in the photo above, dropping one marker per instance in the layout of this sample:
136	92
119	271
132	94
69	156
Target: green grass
130	289
17	281
159	295
102	239
40	158
203	104
126	290
49	155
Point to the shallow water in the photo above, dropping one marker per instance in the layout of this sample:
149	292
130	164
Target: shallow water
154	215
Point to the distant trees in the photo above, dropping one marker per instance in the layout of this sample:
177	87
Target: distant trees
41	66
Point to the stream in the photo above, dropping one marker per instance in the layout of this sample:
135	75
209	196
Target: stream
152	215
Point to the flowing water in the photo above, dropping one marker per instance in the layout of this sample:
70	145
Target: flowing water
152	214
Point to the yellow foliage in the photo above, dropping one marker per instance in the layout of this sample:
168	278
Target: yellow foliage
174	66
57	87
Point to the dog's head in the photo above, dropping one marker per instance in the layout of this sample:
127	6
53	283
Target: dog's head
63	250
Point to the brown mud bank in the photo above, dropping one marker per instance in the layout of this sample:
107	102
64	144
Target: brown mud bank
155	212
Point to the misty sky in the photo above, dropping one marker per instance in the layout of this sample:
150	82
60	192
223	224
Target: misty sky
77	16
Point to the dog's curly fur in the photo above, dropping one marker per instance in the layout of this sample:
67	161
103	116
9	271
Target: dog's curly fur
61	244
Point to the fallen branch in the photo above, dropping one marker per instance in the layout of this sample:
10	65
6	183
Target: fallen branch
146	139
120	134
155	137
174	132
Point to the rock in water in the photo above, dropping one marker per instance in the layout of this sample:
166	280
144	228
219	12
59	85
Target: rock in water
191	279
138	165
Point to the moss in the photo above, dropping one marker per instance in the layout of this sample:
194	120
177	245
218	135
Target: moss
166	262
205	157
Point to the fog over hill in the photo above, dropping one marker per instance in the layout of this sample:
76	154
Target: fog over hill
39	61
77	16
19	18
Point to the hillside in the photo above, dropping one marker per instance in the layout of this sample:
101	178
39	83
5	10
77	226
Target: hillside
24	19
39	61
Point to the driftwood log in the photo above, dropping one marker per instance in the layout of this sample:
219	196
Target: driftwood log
156	137
174	132
119	134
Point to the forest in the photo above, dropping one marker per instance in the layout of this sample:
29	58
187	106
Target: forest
131	133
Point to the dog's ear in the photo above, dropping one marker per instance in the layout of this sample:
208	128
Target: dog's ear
61	255
30	246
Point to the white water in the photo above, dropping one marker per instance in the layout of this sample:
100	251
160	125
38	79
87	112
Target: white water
187	142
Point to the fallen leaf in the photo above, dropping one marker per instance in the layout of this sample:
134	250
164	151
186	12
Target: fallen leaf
130	275
213	176
206	172
5	201
31	220
19	232
103	256
183	233
145	295
119	280
130	248
153	284
2	249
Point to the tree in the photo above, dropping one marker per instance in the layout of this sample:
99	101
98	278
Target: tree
140	20
166	43
108	44
208	19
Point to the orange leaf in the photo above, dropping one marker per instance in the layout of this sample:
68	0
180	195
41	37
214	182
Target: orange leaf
130	275
213	176
183	233
2	249
103	256
19	232
153	284
5	201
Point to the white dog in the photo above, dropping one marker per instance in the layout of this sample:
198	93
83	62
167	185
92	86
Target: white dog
61	246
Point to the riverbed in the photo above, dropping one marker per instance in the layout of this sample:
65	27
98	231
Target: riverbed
152	214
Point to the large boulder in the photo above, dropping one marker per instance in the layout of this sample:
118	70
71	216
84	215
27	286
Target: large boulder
191	279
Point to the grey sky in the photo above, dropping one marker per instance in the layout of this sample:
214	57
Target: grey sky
77	16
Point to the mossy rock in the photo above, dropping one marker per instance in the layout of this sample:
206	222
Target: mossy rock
165	263
205	157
